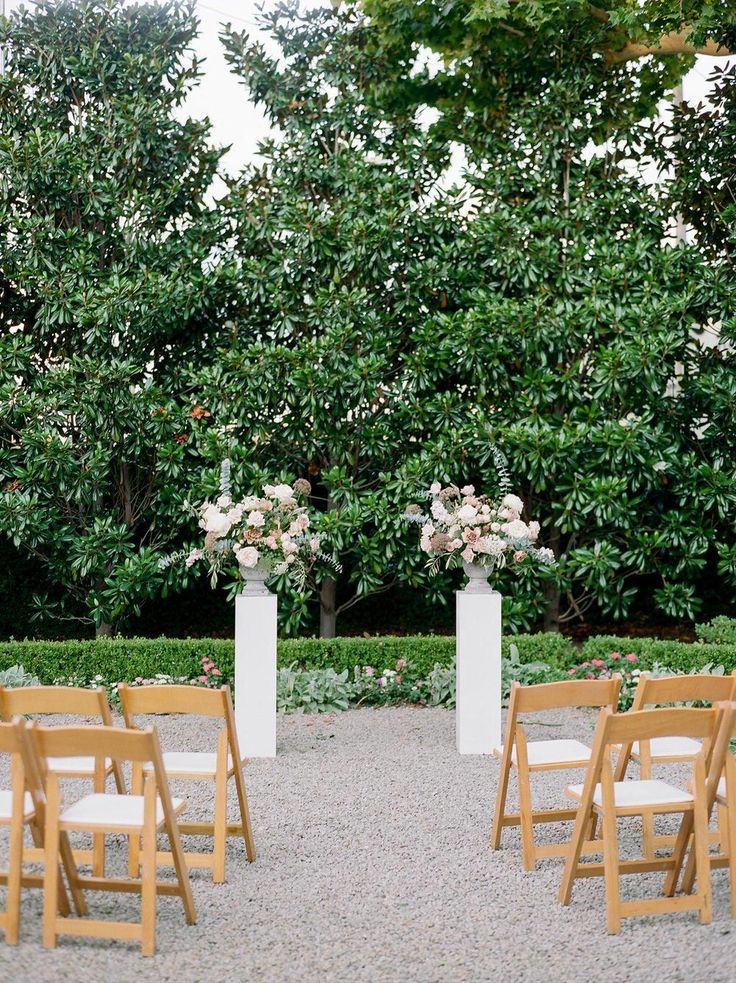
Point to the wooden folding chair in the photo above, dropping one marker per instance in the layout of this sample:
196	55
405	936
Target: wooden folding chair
657	692
720	793
141	815
215	767
600	795
530	756
71	701
23	806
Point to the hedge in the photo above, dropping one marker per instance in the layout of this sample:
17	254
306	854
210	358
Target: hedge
682	656
126	658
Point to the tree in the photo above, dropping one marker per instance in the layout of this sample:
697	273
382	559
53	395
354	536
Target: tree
110	278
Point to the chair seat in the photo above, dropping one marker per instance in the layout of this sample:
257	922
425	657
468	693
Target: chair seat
190	764
6	806
670	747
111	812
551	752
75	766
633	795
721	789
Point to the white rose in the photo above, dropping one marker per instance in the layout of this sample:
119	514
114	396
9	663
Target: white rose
256	519
516	529
282	492
435	488
513	502
467	513
249	556
224	501
468	490
533	531
213	520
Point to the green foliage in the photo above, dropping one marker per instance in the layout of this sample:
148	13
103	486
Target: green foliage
676	656
314	691
110	281
15	676
124	659
718	631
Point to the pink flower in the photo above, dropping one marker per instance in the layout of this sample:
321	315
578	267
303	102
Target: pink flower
584	664
202	679
571	672
216	672
615	655
630	657
380	681
596	662
368	670
400	664
397	678
519	555
590	675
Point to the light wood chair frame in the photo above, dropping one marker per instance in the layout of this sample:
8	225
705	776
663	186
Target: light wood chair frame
535	699
70	701
118	745
612	731
722	765
658	691
25	779
137	701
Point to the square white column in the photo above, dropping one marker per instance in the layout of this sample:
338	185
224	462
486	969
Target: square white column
478	663
255	674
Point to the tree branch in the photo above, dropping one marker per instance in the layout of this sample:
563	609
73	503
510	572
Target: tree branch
674	43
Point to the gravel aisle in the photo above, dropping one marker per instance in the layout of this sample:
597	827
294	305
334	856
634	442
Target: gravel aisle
373	866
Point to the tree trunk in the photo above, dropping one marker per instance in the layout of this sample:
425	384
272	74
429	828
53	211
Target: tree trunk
103	630
328	608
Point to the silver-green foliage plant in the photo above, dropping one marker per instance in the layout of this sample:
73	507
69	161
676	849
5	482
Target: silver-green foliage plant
313	691
17	676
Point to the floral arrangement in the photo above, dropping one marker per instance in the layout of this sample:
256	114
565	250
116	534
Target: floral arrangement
612	664
269	531
464	527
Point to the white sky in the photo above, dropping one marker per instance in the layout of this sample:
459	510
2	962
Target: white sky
235	121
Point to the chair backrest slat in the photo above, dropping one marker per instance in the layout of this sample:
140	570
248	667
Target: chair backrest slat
54	699
568	693
136	700
97	742
695	688
10	738
644	725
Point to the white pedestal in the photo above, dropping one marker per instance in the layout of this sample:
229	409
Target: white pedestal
478	660
255	675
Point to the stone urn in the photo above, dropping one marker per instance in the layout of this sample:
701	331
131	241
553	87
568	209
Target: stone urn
254	578
477	576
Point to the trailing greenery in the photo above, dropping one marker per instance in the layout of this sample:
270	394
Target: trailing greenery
125	659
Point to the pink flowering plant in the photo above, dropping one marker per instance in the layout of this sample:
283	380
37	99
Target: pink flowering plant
615	663
269	530
462	526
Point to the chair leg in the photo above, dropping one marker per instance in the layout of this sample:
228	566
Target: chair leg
15	870
72	876
526	818
134	842
98	854
678	855
611	872
250	846
731	831
148	880
701	843
220	827
499	810
647	820
51	863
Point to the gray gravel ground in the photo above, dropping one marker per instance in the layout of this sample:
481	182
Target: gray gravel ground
373	865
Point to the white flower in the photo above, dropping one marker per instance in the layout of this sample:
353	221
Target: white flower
435	488
483	545
545	555
314	543
269	490
248	556
288	546
516	529
256	519
193	557
513	502
533	532
439	512
496	545
467	513
282	492
280	568
660	466
299	524
468	490
455	544
467	555
224	501
213	520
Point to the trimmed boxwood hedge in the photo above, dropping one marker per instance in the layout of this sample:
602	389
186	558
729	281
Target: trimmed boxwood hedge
124	659
682	656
